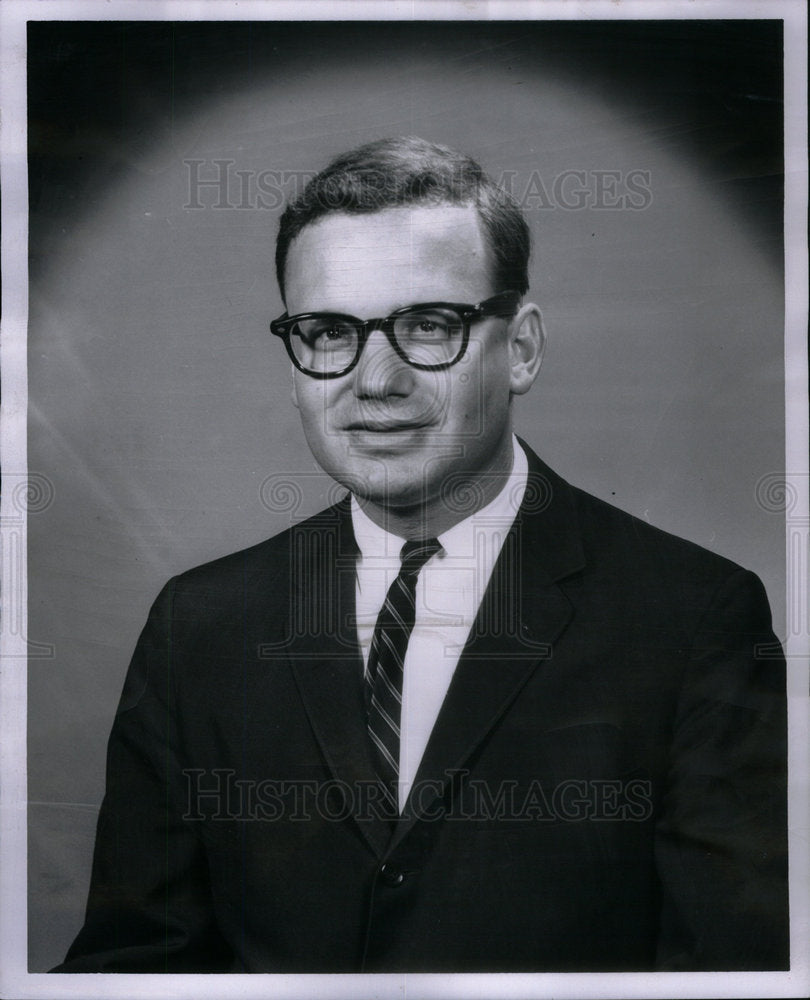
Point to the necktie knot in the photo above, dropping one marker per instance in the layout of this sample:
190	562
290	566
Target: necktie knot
415	554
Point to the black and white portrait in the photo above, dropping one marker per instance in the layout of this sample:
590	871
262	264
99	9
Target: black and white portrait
414	409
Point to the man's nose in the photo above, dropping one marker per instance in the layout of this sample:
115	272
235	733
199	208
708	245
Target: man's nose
381	372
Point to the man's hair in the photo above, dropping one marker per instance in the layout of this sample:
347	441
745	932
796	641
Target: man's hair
411	171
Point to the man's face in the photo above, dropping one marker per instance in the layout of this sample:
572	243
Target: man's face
393	434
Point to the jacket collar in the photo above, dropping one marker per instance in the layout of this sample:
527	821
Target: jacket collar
548	522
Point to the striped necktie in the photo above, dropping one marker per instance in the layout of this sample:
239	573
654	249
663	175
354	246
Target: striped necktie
386	660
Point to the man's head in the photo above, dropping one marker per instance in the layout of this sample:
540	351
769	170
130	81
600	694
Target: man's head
415	412
409	171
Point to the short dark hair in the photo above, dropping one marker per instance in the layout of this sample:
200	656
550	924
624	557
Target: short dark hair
411	171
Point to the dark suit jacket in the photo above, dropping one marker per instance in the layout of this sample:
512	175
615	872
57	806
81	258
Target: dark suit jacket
604	788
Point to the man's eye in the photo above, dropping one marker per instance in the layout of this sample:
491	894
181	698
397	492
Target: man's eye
333	333
425	329
327	334
427	326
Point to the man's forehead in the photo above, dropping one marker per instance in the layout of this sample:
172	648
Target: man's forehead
410	253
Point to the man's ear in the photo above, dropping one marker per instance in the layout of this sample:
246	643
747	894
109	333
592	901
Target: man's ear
527	343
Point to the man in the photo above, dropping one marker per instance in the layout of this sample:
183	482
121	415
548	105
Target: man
468	719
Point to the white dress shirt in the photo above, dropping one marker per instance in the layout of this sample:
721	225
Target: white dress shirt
449	591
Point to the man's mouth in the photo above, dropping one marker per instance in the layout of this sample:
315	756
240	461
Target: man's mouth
383	426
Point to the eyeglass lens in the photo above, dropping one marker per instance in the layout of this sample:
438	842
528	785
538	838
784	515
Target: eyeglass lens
428	337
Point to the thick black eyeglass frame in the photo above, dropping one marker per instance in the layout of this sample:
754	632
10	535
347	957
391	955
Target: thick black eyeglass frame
503	304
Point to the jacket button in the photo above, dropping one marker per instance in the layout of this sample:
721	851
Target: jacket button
391	876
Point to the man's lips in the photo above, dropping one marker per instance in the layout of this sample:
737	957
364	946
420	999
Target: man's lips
383	426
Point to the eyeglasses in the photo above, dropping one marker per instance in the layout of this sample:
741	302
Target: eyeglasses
428	336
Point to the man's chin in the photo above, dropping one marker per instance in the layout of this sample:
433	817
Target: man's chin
389	479
401	501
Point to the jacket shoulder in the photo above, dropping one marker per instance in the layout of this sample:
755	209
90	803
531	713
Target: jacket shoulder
263	561
614	537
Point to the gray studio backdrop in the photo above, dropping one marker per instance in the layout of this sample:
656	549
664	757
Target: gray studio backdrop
159	404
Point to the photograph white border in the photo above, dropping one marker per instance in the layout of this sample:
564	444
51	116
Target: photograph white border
15	981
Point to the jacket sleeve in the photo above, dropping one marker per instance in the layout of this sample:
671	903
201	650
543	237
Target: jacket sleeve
721	848
149	907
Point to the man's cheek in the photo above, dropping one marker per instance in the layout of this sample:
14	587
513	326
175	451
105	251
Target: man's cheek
317	411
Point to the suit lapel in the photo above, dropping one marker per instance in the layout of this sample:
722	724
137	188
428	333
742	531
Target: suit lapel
523	613
325	656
